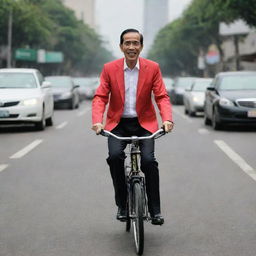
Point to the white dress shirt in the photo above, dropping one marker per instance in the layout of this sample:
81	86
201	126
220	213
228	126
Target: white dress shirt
130	80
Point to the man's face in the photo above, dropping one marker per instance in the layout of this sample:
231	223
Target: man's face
131	46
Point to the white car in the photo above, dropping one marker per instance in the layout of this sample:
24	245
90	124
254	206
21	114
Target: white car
194	96
25	98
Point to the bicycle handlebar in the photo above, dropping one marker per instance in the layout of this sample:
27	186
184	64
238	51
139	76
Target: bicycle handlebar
159	133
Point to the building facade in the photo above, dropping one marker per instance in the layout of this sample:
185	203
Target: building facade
155	17
84	10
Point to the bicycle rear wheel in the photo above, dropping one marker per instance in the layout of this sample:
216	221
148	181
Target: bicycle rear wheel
138	224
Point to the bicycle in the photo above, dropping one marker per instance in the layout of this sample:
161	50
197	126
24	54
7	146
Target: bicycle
137	203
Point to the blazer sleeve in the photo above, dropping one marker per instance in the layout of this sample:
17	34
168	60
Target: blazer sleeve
161	97
101	97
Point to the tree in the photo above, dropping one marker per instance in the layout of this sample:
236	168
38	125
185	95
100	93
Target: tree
178	44
49	25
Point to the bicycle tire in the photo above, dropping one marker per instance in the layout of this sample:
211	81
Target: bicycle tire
138	224
128	219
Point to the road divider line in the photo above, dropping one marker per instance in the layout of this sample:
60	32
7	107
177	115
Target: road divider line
236	158
62	125
83	112
203	131
27	149
181	115
3	166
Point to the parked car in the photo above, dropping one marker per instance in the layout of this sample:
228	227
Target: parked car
194	96
87	86
25	98
65	92
168	84
180	84
231	99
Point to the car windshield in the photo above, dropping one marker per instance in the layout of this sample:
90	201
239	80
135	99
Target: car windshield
200	86
184	82
17	80
244	82
59	82
168	82
86	82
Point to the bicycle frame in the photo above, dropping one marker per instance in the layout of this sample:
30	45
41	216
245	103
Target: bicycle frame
134	176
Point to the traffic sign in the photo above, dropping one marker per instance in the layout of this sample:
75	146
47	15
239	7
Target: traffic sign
26	54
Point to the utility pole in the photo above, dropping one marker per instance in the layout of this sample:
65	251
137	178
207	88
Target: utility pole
9	44
237	58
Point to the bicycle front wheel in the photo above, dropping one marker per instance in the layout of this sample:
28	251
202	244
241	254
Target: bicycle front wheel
138	225
128	219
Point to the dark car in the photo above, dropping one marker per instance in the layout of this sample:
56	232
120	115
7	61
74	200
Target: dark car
231	99
65	92
179	87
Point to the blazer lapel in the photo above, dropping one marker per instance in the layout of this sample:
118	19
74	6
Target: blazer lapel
142	76
120	78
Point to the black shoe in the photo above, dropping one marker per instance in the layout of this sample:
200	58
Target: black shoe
121	214
157	219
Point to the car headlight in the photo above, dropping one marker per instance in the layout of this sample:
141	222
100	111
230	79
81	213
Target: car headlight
195	99
30	102
225	102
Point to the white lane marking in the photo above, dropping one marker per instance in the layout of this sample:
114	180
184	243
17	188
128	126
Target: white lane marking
62	125
3	166
27	149
181	115
83	112
203	131
236	158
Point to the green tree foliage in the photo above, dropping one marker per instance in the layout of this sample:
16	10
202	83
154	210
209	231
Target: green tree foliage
49	25
30	27
178	44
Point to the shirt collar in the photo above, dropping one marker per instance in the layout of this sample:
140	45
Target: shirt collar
136	66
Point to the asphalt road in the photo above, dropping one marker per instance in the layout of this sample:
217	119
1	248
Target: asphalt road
56	196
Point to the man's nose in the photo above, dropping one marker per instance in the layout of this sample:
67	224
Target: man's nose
131	46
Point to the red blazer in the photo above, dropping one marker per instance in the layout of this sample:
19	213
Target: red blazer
112	90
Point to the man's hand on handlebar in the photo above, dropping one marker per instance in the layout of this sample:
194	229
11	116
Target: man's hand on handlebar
98	127
168	126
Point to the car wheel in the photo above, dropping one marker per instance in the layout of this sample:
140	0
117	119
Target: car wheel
77	105
49	121
191	113
40	126
207	121
185	111
216	125
71	104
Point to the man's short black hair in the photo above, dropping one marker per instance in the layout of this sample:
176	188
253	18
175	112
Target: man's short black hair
128	31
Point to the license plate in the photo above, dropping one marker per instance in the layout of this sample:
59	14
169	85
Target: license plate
4	114
251	113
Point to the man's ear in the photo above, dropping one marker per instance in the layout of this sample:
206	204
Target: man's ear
121	48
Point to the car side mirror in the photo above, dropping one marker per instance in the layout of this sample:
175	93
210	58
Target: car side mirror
210	88
46	84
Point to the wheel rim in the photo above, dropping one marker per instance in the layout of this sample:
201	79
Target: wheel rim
136	234
137	221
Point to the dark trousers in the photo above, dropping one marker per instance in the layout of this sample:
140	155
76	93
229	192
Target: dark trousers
149	165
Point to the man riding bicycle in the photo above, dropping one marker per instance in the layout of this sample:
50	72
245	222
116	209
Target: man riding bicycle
127	85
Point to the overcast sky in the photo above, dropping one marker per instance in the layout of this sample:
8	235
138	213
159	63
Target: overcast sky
113	16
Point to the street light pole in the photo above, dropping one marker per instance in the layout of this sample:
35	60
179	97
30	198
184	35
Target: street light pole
9	45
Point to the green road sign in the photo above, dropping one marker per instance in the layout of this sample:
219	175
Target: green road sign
53	57
26	54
